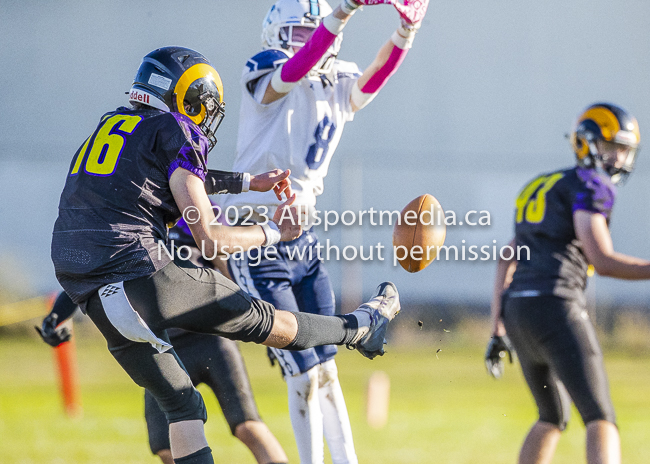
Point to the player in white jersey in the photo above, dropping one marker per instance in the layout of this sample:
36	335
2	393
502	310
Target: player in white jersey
297	97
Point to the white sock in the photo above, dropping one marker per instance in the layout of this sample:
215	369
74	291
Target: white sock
306	416
336	422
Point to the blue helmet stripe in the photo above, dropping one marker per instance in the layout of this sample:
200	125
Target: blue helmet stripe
314	8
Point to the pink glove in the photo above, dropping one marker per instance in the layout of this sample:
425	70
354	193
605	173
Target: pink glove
412	11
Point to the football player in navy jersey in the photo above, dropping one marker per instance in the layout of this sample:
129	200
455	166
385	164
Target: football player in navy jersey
209	359
141	169
562	217
297	98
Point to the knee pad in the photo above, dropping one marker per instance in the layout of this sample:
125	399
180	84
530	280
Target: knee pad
185	405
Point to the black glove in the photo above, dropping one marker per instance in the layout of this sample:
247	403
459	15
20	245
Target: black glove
51	334
496	351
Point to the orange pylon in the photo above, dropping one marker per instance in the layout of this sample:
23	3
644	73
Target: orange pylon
66	360
68	371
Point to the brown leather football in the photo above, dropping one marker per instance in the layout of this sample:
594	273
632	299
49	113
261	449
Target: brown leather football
420	233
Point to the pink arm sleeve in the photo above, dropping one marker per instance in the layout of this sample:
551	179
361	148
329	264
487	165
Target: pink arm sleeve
379	79
301	63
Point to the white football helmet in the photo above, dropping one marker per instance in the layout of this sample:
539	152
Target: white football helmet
277	28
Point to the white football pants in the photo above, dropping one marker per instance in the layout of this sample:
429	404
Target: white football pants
317	407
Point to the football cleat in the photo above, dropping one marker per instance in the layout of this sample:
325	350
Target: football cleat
381	309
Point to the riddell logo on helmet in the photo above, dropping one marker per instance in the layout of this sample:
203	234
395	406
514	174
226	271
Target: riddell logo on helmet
139	96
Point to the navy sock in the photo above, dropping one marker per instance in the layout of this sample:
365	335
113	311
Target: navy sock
202	456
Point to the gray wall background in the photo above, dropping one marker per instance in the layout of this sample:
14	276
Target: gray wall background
481	105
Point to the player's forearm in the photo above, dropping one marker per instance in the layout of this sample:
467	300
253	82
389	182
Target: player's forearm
214	240
230	239
189	194
299	65
63	307
499	287
379	61
387	62
622	266
593	232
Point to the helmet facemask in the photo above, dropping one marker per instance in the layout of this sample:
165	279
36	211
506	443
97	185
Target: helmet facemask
202	101
615	159
295	35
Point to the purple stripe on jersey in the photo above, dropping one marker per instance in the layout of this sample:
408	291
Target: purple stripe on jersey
599	195
180	163
182	225
194	153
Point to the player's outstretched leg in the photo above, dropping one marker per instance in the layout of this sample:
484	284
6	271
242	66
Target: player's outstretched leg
363	329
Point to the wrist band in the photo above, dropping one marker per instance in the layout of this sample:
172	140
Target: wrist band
272	233
359	98
278	84
246	182
349	7
403	38
333	24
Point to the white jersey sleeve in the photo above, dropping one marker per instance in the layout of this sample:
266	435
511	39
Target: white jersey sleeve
259	70
299	131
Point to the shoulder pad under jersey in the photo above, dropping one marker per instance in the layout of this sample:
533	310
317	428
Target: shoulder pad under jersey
264	62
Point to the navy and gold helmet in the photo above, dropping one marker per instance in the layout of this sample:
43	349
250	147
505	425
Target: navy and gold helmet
601	132
181	80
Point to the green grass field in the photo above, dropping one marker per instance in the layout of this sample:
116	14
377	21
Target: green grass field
443	407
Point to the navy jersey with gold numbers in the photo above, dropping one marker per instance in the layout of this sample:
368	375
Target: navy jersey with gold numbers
116	202
544	224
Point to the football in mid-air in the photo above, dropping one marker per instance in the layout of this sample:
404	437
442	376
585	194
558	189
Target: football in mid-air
420	233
